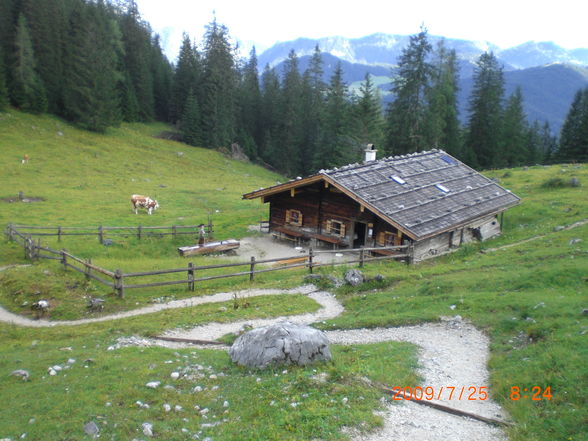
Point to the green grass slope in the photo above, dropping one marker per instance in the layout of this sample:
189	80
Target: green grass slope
526	289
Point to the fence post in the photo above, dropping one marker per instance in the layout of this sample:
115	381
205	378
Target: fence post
38	249
410	252
174	231
64	259
119	283
59	234
252	270
101	235
361	256
88	269
191	276
310	260
139	232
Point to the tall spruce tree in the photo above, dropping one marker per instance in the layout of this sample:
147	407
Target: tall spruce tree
313	110
442	114
269	114
94	50
573	141
338	146
187	76
28	91
515	131
219	88
192	121
162	74
290	132
368	120
407	114
250	108
484	128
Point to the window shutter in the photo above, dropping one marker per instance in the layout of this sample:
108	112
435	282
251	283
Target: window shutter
288	216
381	239
342	229
328	226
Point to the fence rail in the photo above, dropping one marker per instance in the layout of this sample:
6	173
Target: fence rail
116	279
101	232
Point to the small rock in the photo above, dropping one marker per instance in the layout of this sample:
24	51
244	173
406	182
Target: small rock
559	228
169	387
226	404
213	377
574	182
153	384
452	307
52	372
198	389
178	408
575	241
92	429
354	277
166	407
107	242
585	311
204	411
175	375
23	374
539	305
345	400
147	429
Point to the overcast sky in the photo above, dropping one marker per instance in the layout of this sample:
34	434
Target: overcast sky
262	23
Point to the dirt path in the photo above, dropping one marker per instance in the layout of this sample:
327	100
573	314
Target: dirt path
452	353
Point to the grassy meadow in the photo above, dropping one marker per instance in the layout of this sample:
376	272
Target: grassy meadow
527	295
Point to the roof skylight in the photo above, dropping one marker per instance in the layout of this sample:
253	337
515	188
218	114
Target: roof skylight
398	179
442	188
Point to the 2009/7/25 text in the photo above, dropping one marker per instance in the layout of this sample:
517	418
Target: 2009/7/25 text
429	393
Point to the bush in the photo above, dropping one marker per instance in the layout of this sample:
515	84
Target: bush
560	183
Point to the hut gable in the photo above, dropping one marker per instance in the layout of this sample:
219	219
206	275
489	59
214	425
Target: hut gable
422	194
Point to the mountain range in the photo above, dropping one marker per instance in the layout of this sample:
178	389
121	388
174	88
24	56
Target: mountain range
548	74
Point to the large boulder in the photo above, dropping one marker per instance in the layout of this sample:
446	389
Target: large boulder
354	277
280	343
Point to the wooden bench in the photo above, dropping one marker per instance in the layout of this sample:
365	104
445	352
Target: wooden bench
336	241
285	233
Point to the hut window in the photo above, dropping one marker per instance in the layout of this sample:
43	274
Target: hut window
387	239
336	228
294	217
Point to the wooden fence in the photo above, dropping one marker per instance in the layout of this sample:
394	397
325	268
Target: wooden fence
116	279
102	232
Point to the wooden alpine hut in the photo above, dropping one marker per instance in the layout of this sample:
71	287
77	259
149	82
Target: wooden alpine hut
428	200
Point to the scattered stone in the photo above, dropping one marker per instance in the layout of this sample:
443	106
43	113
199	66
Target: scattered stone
226	404
169	387
147	429
280	343
198	389
452	307
353	277
574	182
213	377
345	400
71	360
153	384
23	374
559	228
91	429
175	375
107	242
585	311
142	405
52	372
575	241
95	304
178	408
166	407
539	305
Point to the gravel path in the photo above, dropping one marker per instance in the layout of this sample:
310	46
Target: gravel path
452	353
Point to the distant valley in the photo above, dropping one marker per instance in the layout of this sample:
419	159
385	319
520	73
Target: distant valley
548	75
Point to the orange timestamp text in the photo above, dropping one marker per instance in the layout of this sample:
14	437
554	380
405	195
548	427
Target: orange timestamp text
535	393
429	393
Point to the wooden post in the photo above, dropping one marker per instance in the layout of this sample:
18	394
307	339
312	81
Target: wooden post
64	259
361	253
38	248
191	276
502	221
310	260
252	270
101	235
119	283
59	234
88	269
174	232
139	228
210	230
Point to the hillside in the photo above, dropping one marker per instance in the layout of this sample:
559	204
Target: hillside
526	292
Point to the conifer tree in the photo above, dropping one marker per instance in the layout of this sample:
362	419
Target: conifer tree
28	92
406	122
573	143
162	82
94	50
337	146
186	77
515	133
250	108
368	120
219	88
486	111
191	121
269	114
442	113
290	131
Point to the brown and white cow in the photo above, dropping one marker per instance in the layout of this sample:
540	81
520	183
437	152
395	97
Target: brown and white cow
146	202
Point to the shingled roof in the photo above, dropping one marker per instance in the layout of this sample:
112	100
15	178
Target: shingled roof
423	194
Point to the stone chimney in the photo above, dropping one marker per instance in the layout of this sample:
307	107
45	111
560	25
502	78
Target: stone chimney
370	153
